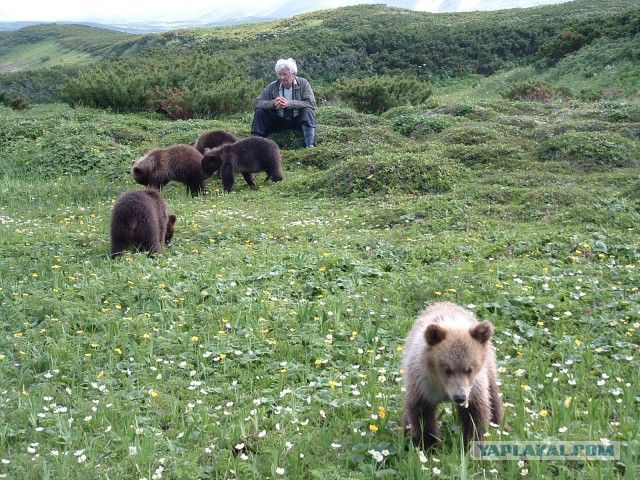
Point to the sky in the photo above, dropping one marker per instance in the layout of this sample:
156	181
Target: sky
104	11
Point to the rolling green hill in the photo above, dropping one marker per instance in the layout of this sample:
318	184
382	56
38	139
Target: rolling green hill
43	46
568	43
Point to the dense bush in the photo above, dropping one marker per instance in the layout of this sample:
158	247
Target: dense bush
344	116
185	87
419	123
535	90
544	132
494	153
37	86
578	33
119	86
590	150
379	94
318	158
13	100
386	173
225	97
472	133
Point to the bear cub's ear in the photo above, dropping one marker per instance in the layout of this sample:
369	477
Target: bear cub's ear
482	332
434	334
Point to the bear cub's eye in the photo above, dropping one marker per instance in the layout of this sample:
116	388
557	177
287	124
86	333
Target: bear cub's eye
469	371
448	371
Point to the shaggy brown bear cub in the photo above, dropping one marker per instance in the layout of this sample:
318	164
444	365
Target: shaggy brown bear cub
214	139
140	218
247	156
448	357
182	163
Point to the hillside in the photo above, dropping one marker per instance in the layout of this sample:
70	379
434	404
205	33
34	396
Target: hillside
198	15
44	46
365	29
580	50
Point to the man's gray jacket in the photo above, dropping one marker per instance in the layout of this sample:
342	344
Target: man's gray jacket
302	96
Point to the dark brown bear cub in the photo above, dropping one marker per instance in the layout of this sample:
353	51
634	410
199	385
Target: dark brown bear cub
448	357
182	163
247	156
214	139
140	218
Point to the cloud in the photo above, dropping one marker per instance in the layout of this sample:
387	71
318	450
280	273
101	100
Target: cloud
113	10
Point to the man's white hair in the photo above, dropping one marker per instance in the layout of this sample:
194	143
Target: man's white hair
289	63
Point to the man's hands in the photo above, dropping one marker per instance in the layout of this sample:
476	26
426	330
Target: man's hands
281	103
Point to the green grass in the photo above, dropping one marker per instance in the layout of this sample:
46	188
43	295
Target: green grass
47	45
42	55
266	341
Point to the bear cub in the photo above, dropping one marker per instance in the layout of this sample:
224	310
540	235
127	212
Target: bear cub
448	356
214	139
159	166
141	218
247	156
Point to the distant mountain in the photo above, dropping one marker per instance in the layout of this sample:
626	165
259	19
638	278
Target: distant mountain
11	26
236	13
274	10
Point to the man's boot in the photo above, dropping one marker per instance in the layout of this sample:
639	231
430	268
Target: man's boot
309	134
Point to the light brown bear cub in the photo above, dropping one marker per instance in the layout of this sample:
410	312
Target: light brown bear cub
448	356
159	166
248	157
140	218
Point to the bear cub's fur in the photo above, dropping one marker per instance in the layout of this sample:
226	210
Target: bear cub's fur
141	218
448	356
159	166
247	156
214	139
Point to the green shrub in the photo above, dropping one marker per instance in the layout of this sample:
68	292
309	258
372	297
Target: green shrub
182	89
37	86
288	139
621	112
494	153
470	134
13	100
590	150
550	130
422	124
225	97
385	173
344	117
320	158
172	102
379	94
119	86
535	90
458	109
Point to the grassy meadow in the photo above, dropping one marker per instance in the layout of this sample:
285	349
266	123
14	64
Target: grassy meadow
266	341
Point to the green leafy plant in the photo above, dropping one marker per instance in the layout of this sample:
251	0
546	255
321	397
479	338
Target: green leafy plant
535	90
379	94
17	102
590	150
410	173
